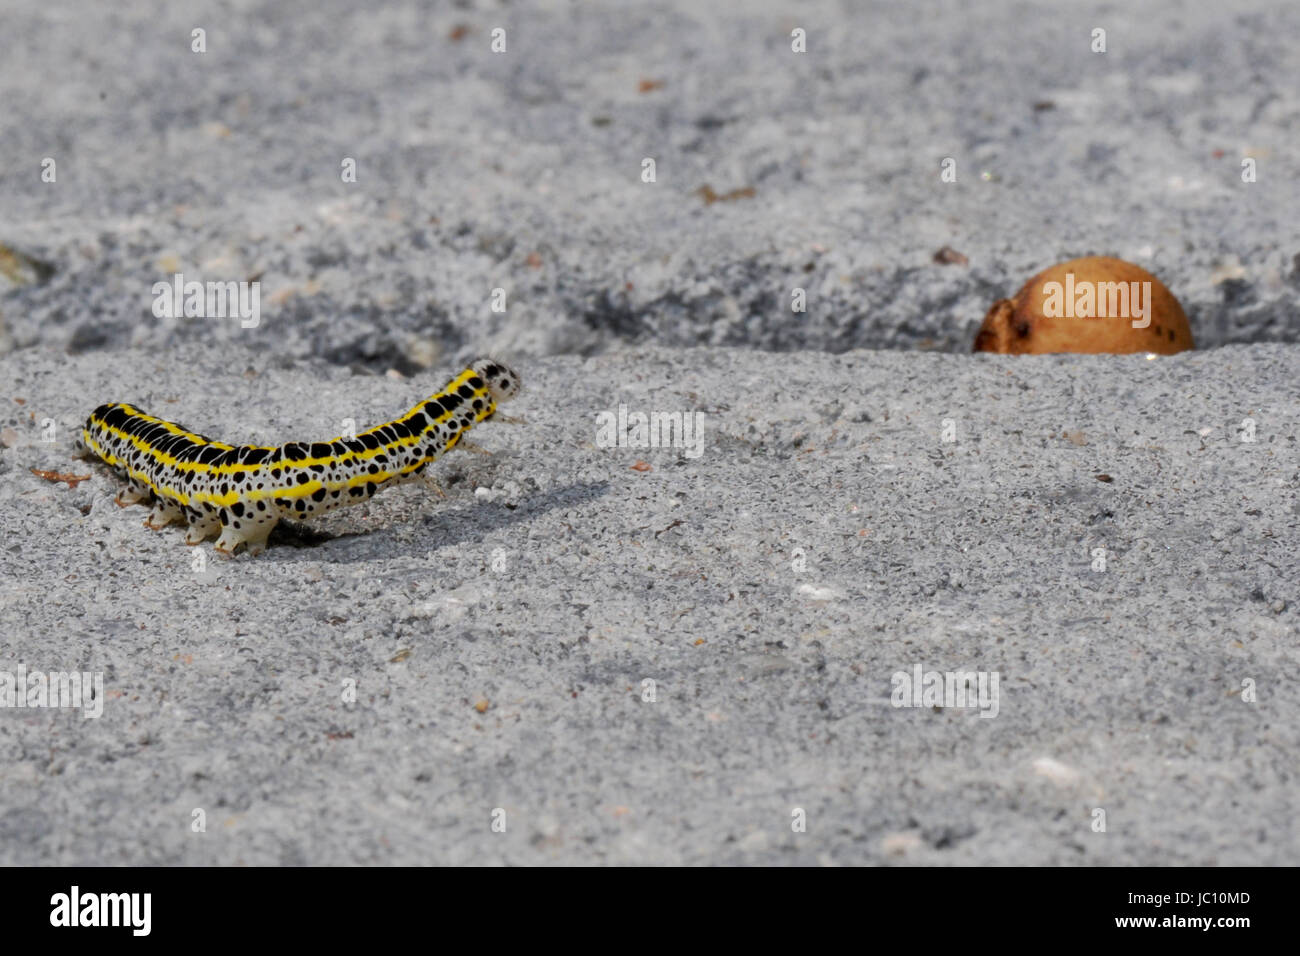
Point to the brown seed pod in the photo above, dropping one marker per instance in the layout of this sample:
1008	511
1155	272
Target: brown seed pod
1087	305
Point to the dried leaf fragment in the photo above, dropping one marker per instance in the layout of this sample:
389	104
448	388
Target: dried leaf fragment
710	197
71	479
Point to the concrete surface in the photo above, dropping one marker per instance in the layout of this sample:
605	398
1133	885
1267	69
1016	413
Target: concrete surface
521	170
868	498
556	578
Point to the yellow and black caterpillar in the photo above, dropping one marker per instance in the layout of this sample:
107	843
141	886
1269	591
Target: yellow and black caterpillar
244	490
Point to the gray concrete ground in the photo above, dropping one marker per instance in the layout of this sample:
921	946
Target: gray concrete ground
825	538
867	498
521	170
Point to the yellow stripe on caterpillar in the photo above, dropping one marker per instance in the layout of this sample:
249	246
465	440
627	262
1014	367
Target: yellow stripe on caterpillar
184	465
246	489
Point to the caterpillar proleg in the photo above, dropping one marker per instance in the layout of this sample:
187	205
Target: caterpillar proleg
244	490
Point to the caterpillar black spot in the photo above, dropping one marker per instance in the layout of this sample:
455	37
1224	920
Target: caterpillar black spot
244	490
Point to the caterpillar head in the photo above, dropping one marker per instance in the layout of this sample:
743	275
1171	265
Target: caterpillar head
502	381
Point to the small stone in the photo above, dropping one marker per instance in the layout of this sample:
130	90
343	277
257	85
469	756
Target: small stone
1056	771
814	593
900	844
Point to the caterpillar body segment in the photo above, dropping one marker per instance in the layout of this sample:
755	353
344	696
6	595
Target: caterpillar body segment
242	491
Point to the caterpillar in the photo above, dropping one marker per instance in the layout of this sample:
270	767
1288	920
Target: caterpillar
244	490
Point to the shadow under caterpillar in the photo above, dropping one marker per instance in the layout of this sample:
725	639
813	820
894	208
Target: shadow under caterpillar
244	490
